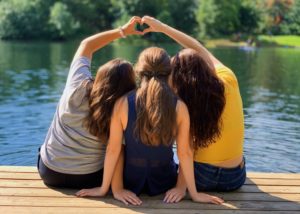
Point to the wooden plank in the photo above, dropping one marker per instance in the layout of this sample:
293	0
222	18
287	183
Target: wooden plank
249	181
273	175
272	182
234	196
132	210
157	204
18	169
244	189
20	175
22	183
269	189
67	210
249	174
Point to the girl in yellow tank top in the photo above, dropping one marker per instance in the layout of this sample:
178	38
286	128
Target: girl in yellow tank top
211	93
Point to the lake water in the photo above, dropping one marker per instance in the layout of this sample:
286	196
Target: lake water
32	78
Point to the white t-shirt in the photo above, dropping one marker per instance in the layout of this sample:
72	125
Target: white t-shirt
69	147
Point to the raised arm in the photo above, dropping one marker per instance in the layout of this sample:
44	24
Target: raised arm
185	156
180	37
93	43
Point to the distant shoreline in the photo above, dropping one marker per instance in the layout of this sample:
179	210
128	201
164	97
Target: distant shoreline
289	41
259	41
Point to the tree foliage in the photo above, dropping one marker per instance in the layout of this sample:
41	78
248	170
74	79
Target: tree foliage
63	19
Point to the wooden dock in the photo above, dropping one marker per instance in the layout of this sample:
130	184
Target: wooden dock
22	191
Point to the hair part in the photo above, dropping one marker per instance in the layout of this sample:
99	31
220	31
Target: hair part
113	80
155	101
198	85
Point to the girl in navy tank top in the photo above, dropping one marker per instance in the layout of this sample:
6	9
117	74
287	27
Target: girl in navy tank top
150	119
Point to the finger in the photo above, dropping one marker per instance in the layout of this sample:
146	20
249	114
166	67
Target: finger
138	33
135	20
219	200
131	201
170	198
167	196
124	201
145	19
82	194
214	200
79	193
178	198
173	198
135	199
147	30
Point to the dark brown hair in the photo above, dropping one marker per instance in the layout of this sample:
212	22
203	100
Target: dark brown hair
197	84
113	80
155	101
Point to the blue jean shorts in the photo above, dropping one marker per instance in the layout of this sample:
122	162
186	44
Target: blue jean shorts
213	178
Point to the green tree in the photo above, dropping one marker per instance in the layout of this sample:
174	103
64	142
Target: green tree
92	15
25	19
291	21
61	21
206	16
218	18
250	16
276	10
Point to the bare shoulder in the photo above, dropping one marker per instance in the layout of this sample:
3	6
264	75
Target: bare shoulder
121	105
182	111
120	112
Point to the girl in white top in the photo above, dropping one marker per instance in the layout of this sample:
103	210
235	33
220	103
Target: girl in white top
72	155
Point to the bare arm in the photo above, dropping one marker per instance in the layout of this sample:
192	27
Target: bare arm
93	43
112	153
127	197
180	37
185	155
178	192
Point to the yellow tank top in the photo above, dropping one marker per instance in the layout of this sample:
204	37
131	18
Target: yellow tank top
230	143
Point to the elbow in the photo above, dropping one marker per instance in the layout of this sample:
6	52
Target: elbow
183	155
113	149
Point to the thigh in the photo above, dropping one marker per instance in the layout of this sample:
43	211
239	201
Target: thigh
206	177
84	181
51	177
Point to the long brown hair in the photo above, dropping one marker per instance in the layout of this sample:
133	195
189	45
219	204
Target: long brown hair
155	101
198	85
113	80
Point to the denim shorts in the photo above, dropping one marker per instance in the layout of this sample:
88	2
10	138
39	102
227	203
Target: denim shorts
213	178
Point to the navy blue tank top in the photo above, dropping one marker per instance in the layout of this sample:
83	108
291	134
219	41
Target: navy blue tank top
147	169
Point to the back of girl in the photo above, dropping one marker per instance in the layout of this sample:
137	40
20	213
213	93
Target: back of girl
151	127
72	155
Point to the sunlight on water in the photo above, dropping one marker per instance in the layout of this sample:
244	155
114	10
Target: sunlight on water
32	78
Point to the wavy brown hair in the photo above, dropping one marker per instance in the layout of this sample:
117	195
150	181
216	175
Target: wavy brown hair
155	101
113	80
198	85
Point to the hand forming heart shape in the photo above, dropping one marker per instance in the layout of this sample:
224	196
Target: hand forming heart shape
141	27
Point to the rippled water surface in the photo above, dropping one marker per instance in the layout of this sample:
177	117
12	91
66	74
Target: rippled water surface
32	77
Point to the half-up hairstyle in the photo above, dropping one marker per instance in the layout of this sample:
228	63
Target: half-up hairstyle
113	80
155	101
198	85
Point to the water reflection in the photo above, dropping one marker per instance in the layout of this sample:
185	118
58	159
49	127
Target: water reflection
32	77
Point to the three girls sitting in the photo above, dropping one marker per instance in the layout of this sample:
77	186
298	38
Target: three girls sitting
149	119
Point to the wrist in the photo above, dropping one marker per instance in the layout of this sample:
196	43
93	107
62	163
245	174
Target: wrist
193	194
122	32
